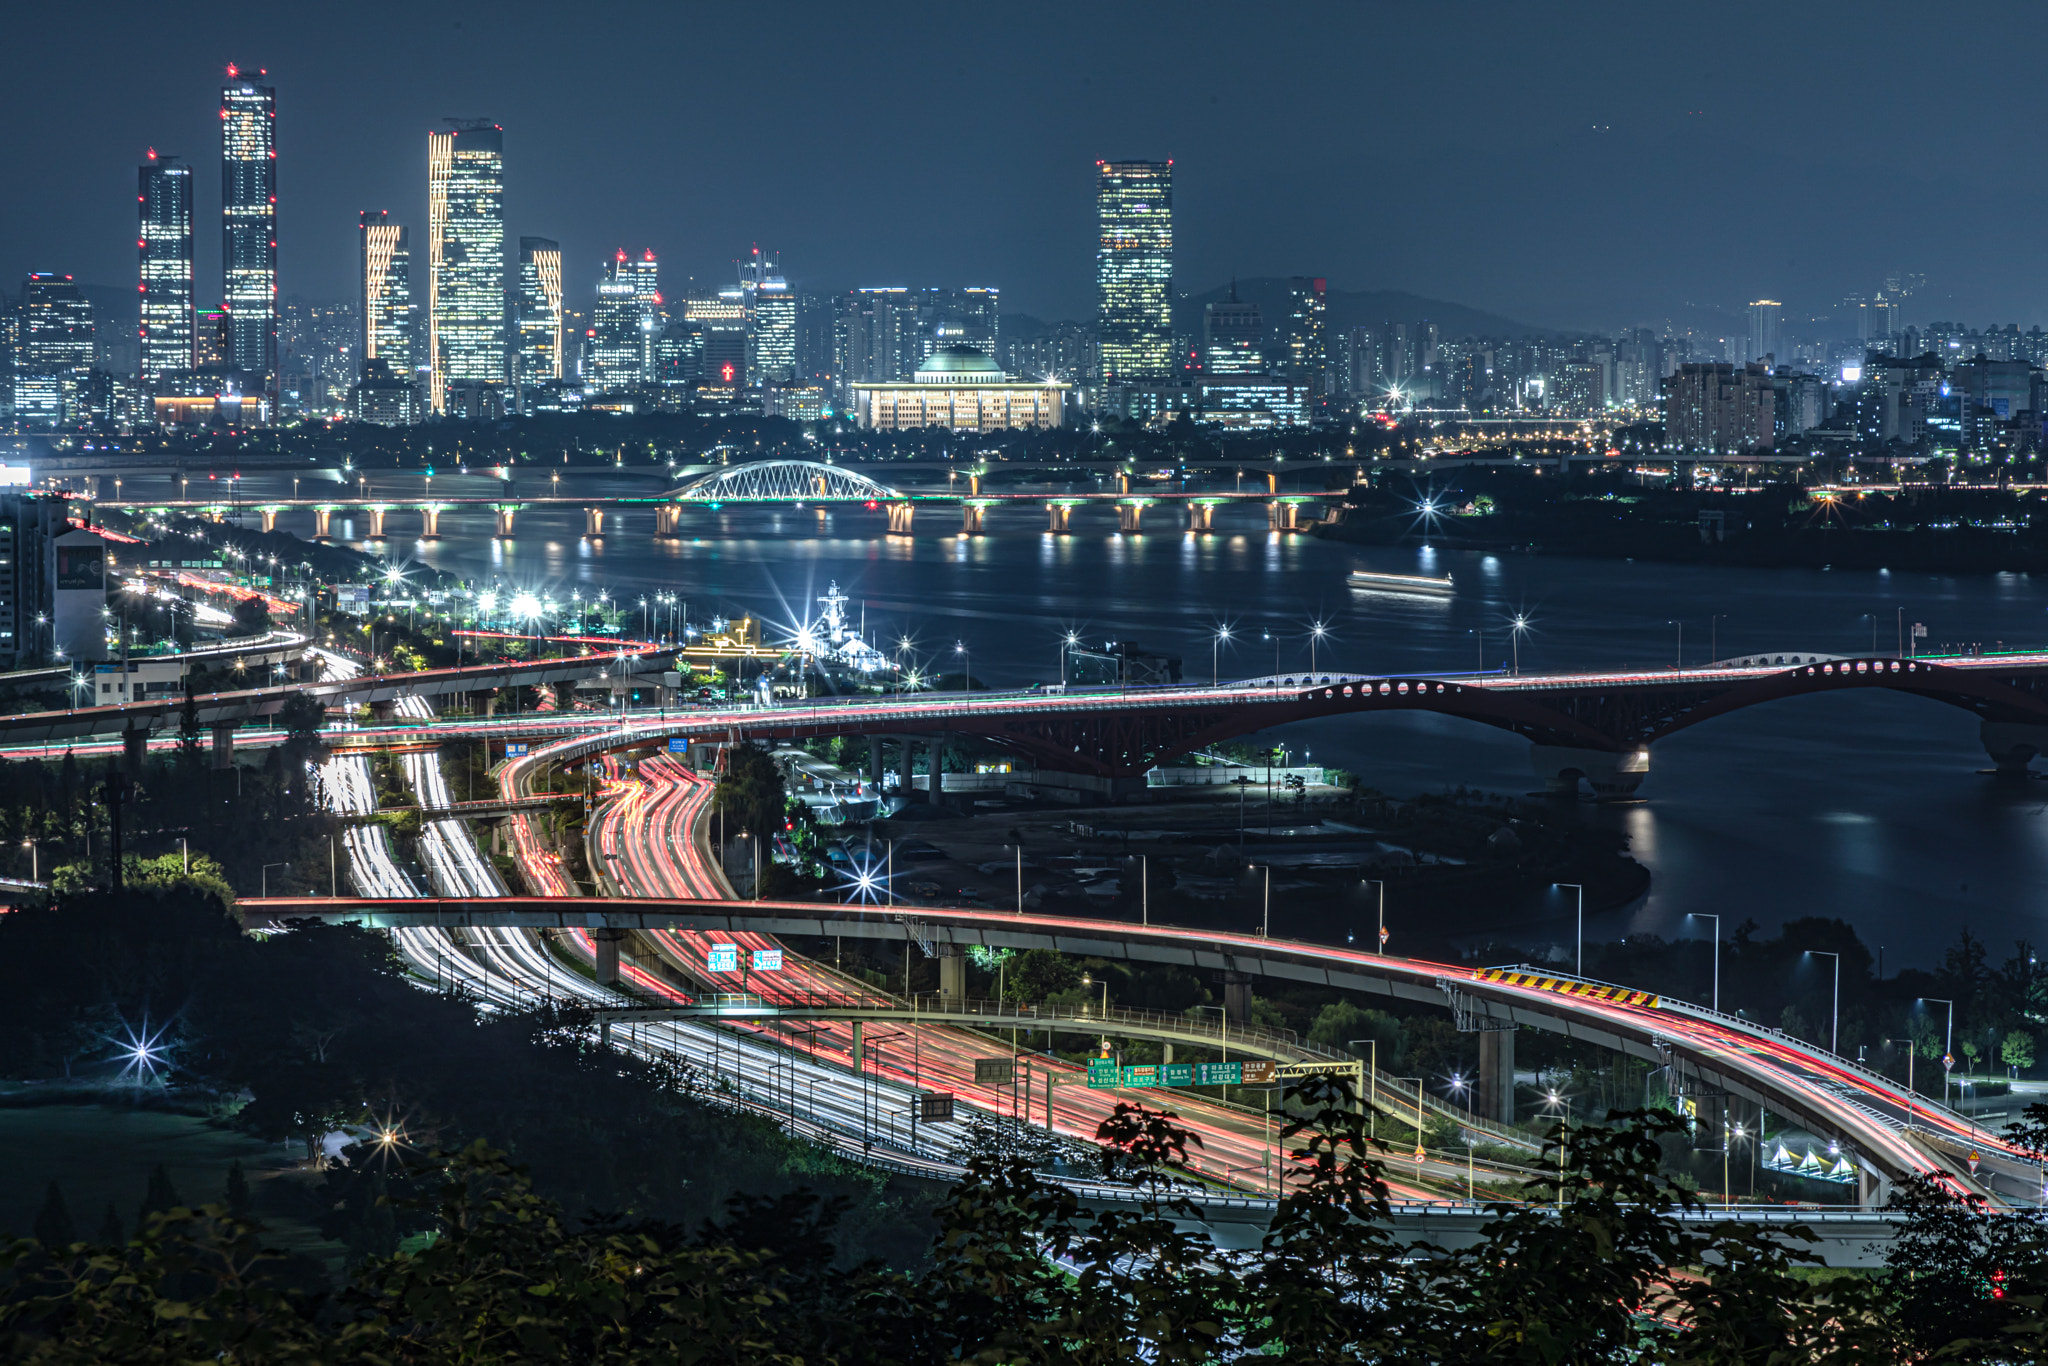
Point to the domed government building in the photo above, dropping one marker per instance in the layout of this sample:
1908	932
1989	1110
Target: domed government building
961	388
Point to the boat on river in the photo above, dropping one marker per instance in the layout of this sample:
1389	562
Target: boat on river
1401	583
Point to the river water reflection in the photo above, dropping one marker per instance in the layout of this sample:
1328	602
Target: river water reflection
1870	806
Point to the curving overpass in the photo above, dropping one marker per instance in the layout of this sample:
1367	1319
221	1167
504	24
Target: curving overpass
1885	1131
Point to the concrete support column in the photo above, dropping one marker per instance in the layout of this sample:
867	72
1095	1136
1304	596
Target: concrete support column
1123	482
376	523
269	518
1611	775
1281	516
322	518
899	518
2011	744
1059	517
970	519
430	524
1201	516
875	764
974	486
1237	998
224	744
1128	515
606	942
1272	481
908	769
505	522
593	521
134	746
856	1055
952	976
668	519
1493	1097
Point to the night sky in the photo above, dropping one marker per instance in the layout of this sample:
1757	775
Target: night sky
1584	165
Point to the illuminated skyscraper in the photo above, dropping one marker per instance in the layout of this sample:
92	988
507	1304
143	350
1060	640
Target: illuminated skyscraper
1134	270
1763	328
1307	352
248	205
540	311
771	322
646	277
163	242
466	335
614	354
1233	330
385	310
53	358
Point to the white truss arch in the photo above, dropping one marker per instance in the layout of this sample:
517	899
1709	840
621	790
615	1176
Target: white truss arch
784	481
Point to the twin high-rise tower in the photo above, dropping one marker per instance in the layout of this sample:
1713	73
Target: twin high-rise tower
466	325
163	198
1134	270
248	206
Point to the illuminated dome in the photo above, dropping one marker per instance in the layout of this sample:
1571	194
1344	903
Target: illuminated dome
959	365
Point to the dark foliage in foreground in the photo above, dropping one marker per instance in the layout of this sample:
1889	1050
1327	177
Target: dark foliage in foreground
1597	1267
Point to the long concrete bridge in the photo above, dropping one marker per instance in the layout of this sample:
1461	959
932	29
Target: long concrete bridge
789	483
1594	728
1710	1058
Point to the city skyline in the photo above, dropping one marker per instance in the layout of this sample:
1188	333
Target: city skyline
1375	204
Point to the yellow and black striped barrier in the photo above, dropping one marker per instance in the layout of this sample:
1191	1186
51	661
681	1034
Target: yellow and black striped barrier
1565	986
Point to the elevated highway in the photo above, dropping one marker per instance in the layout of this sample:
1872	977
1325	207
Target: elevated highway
1886	1131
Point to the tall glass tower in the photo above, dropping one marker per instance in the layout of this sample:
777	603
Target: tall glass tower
1134	270
614	354
540	311
163	241
385	309
466	332
248	206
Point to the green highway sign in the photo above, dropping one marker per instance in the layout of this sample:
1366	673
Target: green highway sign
1140	1078
1177	1074
1102	1074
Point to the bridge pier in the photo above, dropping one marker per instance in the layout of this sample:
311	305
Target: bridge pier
899	519
322	519
875	765
2011	744
1128	515
1283	516
668	519
134	746
1059	518
1493	1098
970	519
1237	998
269	518
1611	775
430	524
606	943
952	977
504	522
224	744
593	521
376	523
1201	516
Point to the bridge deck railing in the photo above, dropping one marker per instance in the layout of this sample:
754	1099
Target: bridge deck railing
1741	1025
1005	1013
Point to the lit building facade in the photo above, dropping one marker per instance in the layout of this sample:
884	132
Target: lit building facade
540	311
163	242
1134	270
1307	351
248	205
1233	332
466	327
54	355
960	388
1764	316
613	356
385	309
1720	409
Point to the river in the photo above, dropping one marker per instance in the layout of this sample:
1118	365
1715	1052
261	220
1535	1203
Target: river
1867	805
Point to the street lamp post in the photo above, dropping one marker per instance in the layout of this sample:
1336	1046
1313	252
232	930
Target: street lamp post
1948	1047
1380	883
1835	1026
1519	624
1215	644
1316	632
1909	1080
1681	641
1266	911
1580	889
266	875
1372	1082
1698	915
